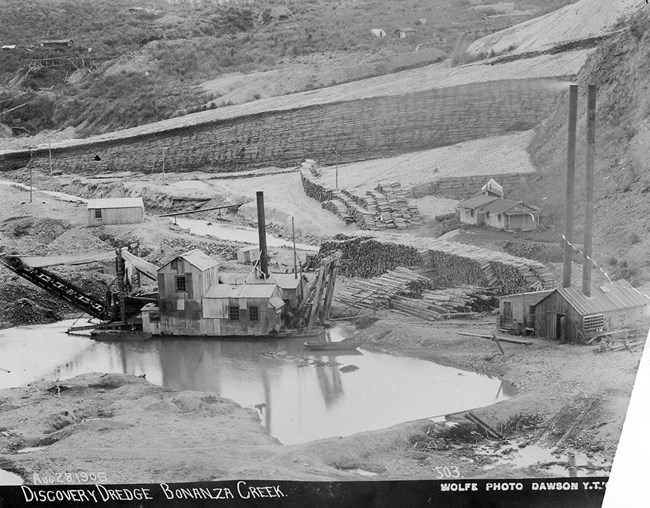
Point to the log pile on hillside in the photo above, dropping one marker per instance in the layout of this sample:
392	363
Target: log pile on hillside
384	208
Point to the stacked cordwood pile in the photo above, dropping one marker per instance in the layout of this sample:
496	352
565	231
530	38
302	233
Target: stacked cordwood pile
384	208
451	264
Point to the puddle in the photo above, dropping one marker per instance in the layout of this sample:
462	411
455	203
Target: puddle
565	464
234	233
31	449
300	395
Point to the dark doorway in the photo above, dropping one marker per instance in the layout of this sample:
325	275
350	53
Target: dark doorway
560	325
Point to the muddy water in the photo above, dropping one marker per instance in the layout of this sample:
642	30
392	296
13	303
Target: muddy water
300	396
234	233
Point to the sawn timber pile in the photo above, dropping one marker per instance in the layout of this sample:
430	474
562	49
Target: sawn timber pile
449	263
407	292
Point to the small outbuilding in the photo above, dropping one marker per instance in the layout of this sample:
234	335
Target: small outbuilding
568	315
108	211
470	209
403	33
248	255
517	312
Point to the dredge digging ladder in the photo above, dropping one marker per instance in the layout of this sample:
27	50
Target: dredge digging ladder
56	285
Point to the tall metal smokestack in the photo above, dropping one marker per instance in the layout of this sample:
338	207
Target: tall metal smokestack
570	177
589	183
261	227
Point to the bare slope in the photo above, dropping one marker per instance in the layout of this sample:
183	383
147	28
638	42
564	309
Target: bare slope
583	19
621	71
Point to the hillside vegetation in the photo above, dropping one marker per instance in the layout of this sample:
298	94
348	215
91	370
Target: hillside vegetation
159	51
621	71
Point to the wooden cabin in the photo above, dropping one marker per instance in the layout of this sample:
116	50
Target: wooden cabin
566	314
470	209
498	213
517	312
111	211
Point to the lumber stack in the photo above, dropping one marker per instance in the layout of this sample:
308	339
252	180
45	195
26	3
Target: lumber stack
337	207
377	292
407	292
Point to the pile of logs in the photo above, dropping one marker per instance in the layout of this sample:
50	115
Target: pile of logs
467	301
409	293
377	292
366	257
384	208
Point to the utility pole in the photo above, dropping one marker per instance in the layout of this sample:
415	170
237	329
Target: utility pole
163	163
336	154
295	263
31	174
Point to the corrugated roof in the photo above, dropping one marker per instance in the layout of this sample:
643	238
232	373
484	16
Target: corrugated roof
116	203
617	295
477	201
240	291
199	259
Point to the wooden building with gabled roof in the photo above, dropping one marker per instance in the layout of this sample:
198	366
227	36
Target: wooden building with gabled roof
568	315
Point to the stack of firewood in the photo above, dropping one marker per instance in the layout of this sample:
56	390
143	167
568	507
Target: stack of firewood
366	257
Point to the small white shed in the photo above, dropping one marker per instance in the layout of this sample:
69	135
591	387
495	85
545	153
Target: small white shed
104	212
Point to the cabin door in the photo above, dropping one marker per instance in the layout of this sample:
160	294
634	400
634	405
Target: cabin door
560	327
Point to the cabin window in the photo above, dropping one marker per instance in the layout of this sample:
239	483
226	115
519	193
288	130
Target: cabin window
154	317
254	313
593	323
233	313
471	213
499	217
98	213
487	215
181	284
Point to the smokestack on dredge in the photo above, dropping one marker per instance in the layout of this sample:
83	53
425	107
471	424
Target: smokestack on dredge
570	178
261	227
589	191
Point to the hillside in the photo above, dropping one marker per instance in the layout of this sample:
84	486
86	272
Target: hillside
581	20
621	70
160	59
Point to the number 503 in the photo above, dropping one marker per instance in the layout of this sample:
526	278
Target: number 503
447	472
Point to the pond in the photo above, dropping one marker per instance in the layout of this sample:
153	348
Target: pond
300	396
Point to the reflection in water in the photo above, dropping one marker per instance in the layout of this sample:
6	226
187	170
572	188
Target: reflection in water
301	396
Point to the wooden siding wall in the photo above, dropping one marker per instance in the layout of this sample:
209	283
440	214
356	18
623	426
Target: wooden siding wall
521	222
116	216
466	216
493	220
547	310
521	303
